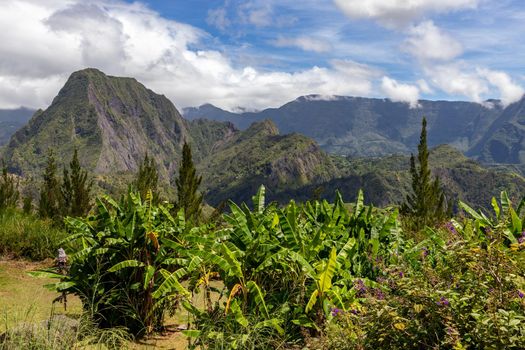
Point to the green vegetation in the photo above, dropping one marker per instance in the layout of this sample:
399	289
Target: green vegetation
75	189
188	182
425	205
27	236
325	275
9	194
50	203
147	179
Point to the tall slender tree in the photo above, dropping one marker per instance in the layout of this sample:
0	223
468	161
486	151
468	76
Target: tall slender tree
9	193
76	189
50	201
426	204
147	179
188	182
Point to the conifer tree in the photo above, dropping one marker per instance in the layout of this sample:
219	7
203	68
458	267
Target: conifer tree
147	179
75	189
50	202
426	204
187	184
8	189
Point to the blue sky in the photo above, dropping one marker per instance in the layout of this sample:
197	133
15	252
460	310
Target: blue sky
263	53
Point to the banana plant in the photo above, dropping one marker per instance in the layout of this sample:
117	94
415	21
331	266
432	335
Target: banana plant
129	264
505	218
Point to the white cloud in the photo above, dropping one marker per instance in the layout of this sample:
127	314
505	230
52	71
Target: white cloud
218	18
509	91
43	44
398	13
455	79
304	43
428	42
399	92
424	87
475	84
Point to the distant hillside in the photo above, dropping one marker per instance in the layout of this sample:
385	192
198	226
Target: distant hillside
260	155
386	180
11	120
363	127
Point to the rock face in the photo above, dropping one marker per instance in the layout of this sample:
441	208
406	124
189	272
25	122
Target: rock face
112	121
260	155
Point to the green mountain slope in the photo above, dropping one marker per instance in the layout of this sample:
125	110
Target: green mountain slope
112	121
386	180
259	155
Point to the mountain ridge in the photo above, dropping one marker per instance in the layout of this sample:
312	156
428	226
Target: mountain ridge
359	126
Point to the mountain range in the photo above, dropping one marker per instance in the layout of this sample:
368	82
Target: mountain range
11	120
308	147
362	127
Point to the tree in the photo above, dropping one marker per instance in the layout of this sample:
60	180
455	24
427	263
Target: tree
8	189
188	197
76	189
426	204
147	179
50	201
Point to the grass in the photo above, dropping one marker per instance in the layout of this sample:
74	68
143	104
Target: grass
24	301
23	297
27	236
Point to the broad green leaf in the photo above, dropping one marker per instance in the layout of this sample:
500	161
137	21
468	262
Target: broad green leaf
259	297
125	264
237	313
45	274
169	285
312	301
258	200
495	206
325	279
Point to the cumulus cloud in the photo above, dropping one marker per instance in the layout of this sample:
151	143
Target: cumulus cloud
455	79
509	91
428	42
304	43
399	92
475	84
399	13
43	44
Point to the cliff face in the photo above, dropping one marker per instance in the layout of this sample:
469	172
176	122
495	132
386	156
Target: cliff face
259	155
112	121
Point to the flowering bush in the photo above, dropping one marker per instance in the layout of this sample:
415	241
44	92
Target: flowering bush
463	294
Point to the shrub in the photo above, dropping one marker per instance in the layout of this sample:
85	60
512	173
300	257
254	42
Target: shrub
126	271
27	236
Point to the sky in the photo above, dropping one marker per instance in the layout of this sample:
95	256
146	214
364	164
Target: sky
256	54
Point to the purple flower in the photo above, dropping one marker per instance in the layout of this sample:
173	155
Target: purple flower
522	238
424	252
379	294
443	302
354	311
521	294
360	288
450	226
401	274
336	311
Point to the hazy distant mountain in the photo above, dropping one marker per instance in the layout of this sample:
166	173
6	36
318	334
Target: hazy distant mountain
375	127
11	120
